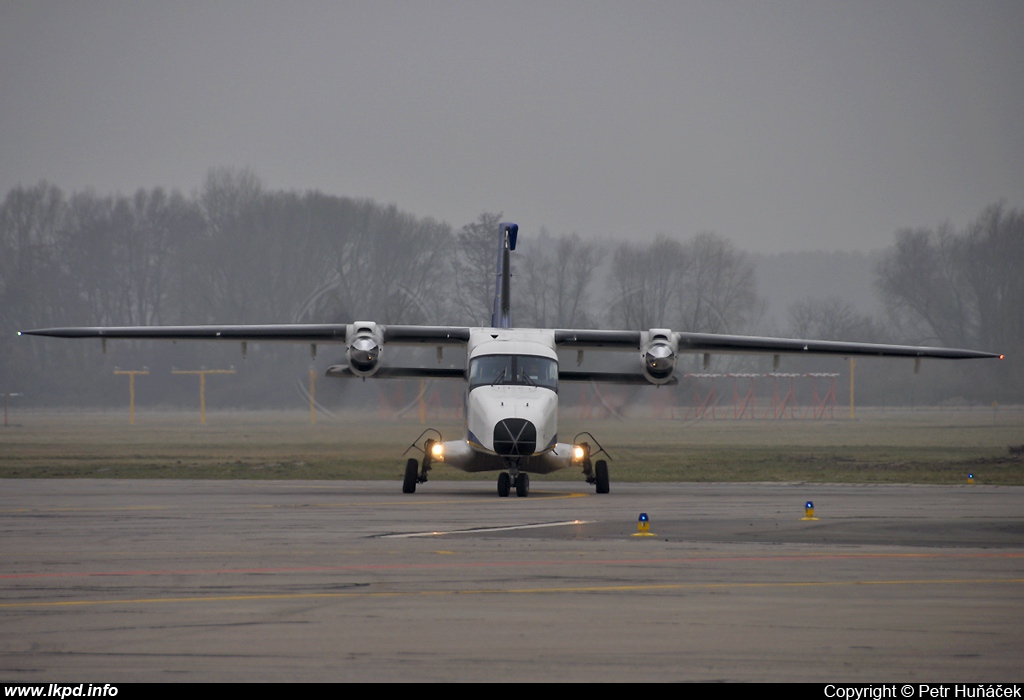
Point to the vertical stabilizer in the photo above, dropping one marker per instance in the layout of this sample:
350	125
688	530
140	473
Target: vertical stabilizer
501	317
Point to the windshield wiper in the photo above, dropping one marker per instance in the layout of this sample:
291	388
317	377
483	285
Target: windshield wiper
526	377
501	375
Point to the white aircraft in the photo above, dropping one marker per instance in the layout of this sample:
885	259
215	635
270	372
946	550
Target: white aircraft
513	375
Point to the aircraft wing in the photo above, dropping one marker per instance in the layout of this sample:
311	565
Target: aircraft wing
658	348
459	335
598	339
745	344
710	342
284	332
298	333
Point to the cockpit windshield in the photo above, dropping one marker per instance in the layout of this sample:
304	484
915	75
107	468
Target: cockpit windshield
519	370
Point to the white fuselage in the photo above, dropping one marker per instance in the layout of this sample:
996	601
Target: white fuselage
511	404
487	406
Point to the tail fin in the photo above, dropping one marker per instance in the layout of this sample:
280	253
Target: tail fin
501	317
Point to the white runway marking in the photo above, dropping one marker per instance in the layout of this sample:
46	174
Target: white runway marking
435	533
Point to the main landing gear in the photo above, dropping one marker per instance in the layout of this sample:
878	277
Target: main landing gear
413	473
601	476
596	473
506	481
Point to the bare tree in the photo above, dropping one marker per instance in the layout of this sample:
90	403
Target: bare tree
647	282
556	275
993	256
475	256
963	290
31	221
719	295
830	318
922	283
704	285
33	286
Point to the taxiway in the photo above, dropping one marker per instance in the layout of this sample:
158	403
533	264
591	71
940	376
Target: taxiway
109	581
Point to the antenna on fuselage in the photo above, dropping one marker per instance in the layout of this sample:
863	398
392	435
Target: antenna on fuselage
501	317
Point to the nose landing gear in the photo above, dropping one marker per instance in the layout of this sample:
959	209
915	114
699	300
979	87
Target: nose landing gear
513	477
523	485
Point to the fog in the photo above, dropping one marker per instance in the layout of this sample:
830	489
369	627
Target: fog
782	126
849	170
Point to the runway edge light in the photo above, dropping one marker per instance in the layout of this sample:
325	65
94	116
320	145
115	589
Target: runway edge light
643	526
809	511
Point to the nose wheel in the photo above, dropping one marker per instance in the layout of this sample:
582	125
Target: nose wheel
521	482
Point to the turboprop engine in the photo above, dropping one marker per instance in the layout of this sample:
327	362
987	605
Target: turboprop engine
364	348
658	357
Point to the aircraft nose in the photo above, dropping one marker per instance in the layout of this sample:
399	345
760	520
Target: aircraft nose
514	437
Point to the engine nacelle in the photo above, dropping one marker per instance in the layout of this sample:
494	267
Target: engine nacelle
364	348
658	357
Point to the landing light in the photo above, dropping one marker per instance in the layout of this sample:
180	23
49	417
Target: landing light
437	451
579	453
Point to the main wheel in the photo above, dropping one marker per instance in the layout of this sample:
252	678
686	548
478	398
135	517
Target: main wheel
522	484
412	469
601	476
504	484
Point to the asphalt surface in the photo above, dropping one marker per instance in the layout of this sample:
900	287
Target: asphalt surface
110	581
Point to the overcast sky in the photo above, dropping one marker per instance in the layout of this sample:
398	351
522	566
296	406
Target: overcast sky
781	125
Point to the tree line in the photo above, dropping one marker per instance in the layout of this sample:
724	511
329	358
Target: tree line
236	252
